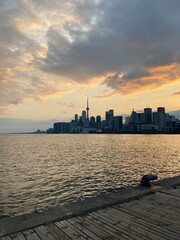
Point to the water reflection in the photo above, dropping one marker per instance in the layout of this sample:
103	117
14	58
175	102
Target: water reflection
45	170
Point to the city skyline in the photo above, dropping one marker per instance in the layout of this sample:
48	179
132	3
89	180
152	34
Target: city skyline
121	54
26	125
142	121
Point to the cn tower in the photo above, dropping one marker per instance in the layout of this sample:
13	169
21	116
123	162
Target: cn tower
87	109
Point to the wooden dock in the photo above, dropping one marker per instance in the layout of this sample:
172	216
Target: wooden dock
155	216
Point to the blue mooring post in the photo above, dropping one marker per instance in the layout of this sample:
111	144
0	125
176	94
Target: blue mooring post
145	180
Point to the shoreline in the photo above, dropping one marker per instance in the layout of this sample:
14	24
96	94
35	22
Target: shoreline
22	222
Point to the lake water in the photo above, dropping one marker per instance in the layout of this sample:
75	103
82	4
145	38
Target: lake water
42	171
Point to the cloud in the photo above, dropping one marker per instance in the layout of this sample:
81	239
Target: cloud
176	93
139	80
124	39
128	46
69	105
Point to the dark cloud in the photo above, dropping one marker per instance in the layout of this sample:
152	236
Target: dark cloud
126	35
136	73
123	41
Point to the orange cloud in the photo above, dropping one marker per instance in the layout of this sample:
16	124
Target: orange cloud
157	77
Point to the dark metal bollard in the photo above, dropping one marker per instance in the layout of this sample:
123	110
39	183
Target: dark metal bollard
145	180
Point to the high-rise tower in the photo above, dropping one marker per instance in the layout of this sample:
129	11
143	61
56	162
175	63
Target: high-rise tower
87	109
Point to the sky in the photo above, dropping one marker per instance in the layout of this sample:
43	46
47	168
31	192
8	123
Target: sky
121	54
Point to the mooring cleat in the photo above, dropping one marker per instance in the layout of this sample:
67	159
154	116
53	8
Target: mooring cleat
145	180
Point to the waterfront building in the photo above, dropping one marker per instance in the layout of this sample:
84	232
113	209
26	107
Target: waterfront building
61	127
148	115
134	118
177	127
86	123
83	116
87	109
111	111
108	124
93	122
170	123
159	120
127	120
109	114
98	121
147	128
50	130
161	110
73	125
140	117
76	117
117	123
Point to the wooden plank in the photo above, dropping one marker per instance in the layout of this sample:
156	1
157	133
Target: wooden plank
153	207
135	221
163	218
69	231
13	237
77	230
17	236
6	238
125	231
31	235
154	204
163	205
161	210
134	230
159	199
20	236
56	232
77	223
113	231
163	196
44	233
151	217
96	230
150	206
163	202
130	225
173	192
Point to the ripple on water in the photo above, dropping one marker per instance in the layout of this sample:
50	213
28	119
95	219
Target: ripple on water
46	170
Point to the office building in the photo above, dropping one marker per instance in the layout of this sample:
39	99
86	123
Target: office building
148	115
117	123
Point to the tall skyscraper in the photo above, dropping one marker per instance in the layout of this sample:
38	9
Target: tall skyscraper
98	121
159	118
117	123
87	109
109	114
161	109
148	115
76	117
83	116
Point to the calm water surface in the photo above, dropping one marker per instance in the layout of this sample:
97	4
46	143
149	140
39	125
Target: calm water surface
42	171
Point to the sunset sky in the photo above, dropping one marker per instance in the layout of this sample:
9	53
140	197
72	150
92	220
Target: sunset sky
122	54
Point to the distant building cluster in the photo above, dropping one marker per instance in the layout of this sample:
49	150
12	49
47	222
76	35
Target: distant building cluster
137	122
153	122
